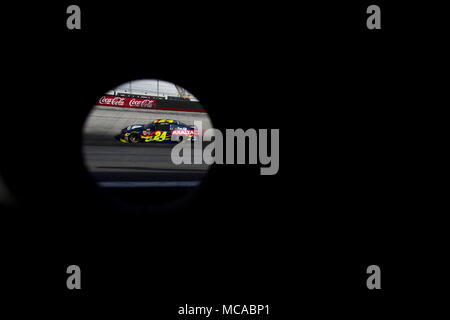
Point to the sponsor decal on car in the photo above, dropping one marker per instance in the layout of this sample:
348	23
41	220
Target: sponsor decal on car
185	132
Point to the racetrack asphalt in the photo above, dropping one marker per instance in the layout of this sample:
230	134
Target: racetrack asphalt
109	160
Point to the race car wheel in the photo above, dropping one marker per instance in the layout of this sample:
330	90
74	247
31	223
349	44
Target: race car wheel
133	138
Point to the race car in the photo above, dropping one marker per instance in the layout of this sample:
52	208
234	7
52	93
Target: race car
161	130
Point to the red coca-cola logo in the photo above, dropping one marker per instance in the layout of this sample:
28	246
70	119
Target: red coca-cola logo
113	101
146	103
126	102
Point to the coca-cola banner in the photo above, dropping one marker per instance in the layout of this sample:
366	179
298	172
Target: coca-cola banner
127	102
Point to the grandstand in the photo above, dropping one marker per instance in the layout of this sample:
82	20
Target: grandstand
152	89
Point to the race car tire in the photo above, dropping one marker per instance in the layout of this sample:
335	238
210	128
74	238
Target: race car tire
133	138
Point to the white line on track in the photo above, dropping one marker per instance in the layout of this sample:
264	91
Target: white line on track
147	184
